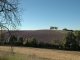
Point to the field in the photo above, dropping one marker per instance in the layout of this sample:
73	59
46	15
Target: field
45	36
29	53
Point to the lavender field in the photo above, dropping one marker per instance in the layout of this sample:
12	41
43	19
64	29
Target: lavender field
45	36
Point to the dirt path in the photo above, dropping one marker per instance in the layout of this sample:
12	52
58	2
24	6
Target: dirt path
47	53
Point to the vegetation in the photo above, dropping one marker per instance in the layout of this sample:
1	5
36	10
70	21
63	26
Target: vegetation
20	41
71	41
56	28
77	35
65	29
55	42
30	53
52	28
9	17
12	40
20	56
31	42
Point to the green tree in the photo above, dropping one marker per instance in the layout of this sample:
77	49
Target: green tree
69	41
65	29
51	28
31	42
55	42
25	43
56	28
20	40
77	34
41	44
12	40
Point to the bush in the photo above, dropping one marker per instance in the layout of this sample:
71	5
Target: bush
30	42
20	41
12	40
55	42
69	41
41	44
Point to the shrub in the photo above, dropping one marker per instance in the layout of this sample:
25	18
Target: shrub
77	35
41	44
55	42
12	40
31	42
20	41
69	41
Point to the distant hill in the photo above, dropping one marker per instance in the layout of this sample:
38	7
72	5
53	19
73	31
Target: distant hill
45	36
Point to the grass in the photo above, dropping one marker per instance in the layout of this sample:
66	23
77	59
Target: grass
19	56
6	55
24	53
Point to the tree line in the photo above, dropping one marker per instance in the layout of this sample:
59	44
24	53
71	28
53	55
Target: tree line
71	41
53	28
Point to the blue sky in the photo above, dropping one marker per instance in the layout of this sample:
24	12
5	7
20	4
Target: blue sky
41	14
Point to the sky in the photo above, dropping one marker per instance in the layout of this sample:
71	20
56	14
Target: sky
42	14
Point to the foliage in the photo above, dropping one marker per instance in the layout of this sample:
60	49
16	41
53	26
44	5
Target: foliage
56	28
12	40
69	41
55	42
31	42
20	41
65	29
77	34
41	44
52	28
9	16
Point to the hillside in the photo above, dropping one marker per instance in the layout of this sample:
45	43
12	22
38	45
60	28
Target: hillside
40	35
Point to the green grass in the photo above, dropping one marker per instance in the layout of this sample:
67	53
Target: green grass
19	56
14	56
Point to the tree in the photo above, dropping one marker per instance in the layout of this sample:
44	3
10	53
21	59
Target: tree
9	15
41	44
31	42
65	29
20	40
25	42
56	28
12	40
1	38
77	34
69	41
51	28
55	42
